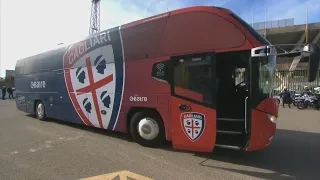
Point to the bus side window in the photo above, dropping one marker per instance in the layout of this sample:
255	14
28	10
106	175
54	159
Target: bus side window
192	78
32	64
19	68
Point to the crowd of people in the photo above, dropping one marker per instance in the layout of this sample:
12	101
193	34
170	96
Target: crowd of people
6	90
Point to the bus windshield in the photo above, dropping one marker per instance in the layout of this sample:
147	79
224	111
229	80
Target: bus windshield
266	74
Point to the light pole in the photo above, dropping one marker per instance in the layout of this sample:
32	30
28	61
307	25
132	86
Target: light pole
307	23
0	35
265	21
252	14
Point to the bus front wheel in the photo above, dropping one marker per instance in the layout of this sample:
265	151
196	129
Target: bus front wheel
40	110
147	129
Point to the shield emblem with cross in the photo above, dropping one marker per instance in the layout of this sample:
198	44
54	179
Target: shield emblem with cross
93	76
193	124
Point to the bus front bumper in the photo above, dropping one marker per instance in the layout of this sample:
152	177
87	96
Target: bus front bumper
263	129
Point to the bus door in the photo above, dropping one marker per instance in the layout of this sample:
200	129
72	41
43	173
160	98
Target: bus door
193	102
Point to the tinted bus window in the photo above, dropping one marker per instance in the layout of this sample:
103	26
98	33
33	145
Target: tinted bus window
19	68
192	79
52	60
47	63
32	64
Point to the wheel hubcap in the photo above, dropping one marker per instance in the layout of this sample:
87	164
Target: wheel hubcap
40	110
148	128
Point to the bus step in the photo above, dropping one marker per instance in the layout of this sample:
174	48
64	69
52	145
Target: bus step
231	139
234	126
228	147
230	119
228	132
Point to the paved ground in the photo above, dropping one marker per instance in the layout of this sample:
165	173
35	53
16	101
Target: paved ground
32	149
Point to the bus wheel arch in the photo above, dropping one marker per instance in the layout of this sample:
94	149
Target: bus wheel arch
146	126
39	109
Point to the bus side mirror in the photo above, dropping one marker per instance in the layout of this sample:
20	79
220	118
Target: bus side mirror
160	71
311	53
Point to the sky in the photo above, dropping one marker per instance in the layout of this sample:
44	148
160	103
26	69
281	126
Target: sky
29	27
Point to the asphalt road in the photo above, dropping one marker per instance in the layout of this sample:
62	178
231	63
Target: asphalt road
32	149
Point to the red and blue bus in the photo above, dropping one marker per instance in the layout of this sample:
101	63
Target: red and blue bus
170	77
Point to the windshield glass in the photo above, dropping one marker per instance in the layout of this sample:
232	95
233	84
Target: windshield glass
267	72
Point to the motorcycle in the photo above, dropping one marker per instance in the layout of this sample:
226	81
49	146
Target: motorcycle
296	99
307	101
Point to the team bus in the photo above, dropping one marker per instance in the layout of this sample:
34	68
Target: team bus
170	77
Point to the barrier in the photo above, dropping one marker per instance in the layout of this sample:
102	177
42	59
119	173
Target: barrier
273	24
295	82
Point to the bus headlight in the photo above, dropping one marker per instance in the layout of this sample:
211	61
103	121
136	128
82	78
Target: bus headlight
272	118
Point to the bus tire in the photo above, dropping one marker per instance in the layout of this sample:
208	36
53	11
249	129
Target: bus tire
147	129
40	111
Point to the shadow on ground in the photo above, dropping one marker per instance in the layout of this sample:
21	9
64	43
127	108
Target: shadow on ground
292	154
123	136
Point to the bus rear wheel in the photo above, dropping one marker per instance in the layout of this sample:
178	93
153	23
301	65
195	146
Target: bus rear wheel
147	129
40	110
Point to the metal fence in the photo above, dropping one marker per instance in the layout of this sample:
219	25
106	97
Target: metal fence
273	24
293	80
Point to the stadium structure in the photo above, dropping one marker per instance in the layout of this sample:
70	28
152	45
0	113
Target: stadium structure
286	32
290	72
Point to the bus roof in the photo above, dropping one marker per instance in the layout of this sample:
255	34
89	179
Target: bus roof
148	19
223	12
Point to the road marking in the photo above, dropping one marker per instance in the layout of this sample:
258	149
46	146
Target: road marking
120	175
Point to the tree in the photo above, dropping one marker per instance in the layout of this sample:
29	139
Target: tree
9	81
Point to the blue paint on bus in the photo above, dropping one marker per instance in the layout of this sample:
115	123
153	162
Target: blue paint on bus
41	77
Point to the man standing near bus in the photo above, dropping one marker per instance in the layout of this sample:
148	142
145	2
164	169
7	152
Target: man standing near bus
286	97
10	91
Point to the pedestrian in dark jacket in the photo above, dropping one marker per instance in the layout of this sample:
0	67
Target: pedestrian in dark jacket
286	97
4	91
10	92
